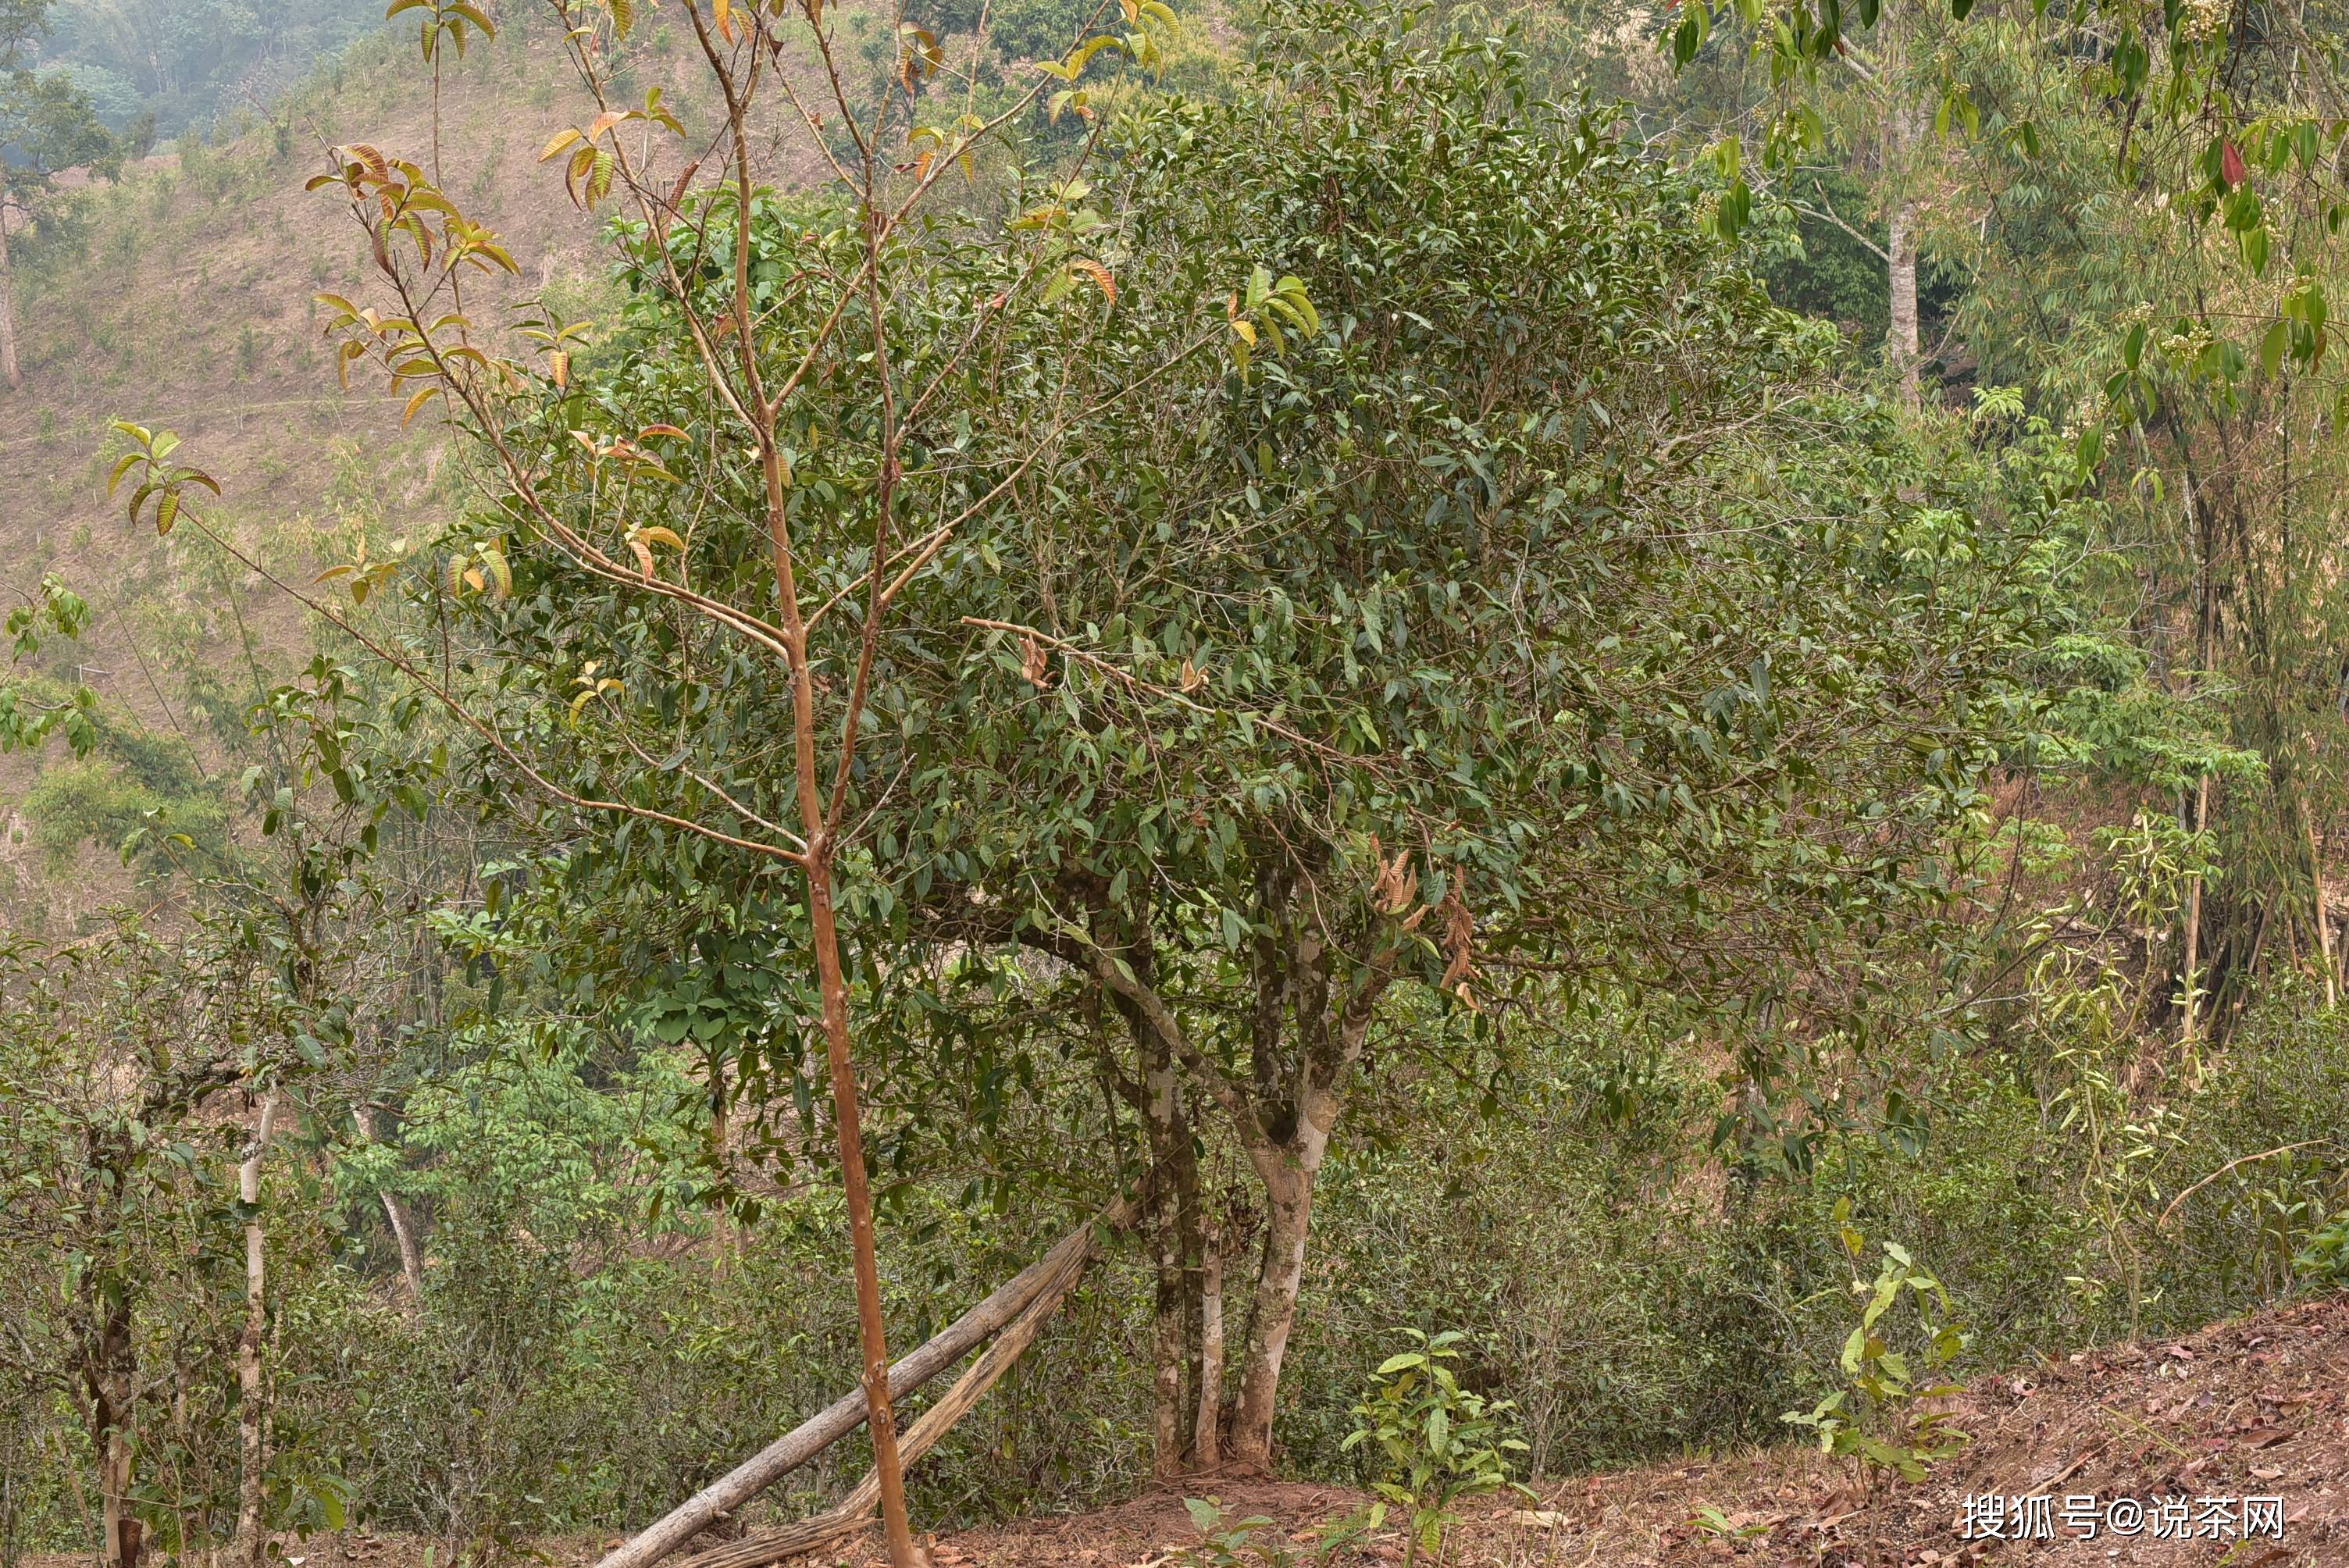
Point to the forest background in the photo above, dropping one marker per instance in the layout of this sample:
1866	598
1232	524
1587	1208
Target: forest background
1569	665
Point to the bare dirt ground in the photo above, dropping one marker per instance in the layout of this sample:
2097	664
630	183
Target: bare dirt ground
2256	1407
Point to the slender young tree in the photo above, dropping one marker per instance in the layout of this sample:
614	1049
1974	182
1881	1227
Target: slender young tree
250	1538
796	577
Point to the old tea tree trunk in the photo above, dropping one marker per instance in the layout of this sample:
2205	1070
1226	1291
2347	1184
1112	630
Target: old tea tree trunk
1289	1166
1311	1015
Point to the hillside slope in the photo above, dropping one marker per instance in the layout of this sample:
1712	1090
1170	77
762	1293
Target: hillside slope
2258	1407
182	297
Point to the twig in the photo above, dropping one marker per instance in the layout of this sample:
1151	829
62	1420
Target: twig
1830	214
2230	1165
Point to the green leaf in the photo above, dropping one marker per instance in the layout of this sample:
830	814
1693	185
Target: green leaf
2255	249
1696	25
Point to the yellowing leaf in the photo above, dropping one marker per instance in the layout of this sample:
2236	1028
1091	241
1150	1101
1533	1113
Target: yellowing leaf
1087	267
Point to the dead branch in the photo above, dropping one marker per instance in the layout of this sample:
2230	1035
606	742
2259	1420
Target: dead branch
1047	1278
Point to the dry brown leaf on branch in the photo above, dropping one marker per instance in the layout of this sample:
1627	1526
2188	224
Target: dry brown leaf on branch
1459	948
1396	885
1035	664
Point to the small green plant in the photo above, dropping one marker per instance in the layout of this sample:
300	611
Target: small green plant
1712	1521
1434	1442
1226	1542
1874	1417
1255	1541
2325	1258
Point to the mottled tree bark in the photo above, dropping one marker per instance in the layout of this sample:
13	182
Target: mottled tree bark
1901	349
1162	1096
8	366
1208	1424
109	1377
1282	1115
253	1458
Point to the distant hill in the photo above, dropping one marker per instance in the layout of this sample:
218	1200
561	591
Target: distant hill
181	296
190	63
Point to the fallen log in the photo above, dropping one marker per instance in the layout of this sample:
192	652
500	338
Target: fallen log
855	1512
1008	1303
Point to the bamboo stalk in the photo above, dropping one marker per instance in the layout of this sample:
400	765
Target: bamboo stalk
2194	915
2323	919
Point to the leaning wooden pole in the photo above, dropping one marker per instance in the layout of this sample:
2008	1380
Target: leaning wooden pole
855	1513
846	1414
